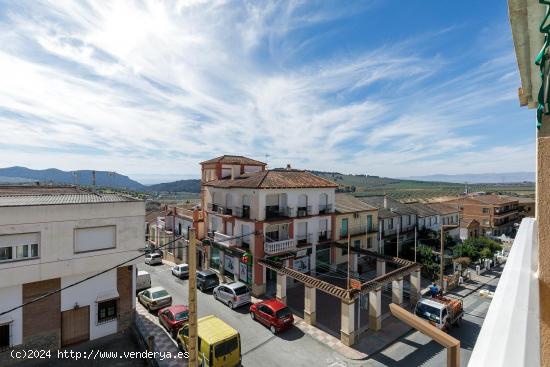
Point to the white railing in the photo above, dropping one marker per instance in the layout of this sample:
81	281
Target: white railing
224	240
279	246
510	333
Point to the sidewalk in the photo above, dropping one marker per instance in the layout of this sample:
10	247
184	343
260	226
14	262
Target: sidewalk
163	343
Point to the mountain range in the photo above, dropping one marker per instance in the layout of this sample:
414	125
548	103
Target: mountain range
116	180
508	177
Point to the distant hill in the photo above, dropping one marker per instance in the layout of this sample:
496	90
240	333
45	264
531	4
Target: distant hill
508	177
83	177
192	185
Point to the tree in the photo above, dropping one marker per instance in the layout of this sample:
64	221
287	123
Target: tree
426	258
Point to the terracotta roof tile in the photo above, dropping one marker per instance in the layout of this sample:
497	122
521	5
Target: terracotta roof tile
274	179
234	159
346	203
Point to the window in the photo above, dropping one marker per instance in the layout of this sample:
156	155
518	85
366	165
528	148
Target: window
391	223
4	337
369	242
344	228
356	215
5	253
226	347
485	210
369	223
106	311
357	245
94	238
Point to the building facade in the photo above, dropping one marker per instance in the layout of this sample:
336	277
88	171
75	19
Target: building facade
496	214
52	238
359	221
252	213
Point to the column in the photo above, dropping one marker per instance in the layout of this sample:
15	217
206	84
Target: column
415	286
375	309
333	256
347	330
281	288
309	305
354	261
397	291
313	260
380	267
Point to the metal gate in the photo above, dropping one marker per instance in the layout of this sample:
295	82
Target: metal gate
75	326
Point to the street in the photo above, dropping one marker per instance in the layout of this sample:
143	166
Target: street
294	348
259	346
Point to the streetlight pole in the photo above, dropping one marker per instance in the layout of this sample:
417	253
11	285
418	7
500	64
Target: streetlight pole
443	226
192	260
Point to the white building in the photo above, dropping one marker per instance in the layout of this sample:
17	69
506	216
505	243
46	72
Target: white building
280	212
51	237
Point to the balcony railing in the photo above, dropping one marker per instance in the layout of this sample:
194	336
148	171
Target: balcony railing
276	247
303	239
510	333
324	236
225	240
325	208
273	212
303	211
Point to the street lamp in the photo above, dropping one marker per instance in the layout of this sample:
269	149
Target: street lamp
443	226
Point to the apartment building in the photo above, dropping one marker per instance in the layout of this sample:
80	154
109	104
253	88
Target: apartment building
252	213
396	222
426	217
356	219
52	237
174	222
496	214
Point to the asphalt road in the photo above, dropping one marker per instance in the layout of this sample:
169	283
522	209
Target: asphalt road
259	346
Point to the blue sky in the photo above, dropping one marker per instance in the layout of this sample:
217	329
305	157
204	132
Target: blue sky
150	89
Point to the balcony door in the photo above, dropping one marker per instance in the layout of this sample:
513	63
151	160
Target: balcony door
344	228
302	232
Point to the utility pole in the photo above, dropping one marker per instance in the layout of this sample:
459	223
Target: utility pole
441	257
398	227
414	243
192	260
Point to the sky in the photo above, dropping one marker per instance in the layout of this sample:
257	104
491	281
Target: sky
150	89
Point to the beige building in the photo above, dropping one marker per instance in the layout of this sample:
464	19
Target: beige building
359	221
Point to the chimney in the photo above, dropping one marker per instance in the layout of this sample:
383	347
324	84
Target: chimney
385	201
93	180
288	167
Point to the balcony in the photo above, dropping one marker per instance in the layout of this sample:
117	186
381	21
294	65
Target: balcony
276	247
325	208
510	333
324	236
242	212
303	239
303	211
275	212
225	240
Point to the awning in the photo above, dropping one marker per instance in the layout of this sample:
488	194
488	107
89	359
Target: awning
107	296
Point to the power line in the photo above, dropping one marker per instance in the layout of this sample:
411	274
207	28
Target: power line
100	273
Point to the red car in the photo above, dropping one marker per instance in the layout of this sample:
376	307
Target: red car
173	318
273	314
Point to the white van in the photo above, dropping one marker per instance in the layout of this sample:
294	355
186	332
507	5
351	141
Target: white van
143	280
153	259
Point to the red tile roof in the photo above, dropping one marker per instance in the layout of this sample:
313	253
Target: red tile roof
234	159
274	179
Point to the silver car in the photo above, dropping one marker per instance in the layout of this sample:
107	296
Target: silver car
232	294
180	270
155	298
153	258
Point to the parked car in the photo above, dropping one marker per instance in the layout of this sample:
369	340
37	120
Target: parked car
273	314
207	279
153	258
180	270
143	280
155	298
232	294
173	318
219	345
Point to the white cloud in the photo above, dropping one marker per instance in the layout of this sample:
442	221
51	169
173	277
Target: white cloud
156	87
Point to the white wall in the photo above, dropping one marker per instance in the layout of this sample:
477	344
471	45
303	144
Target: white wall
86	294
313	196
11	297
56	224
